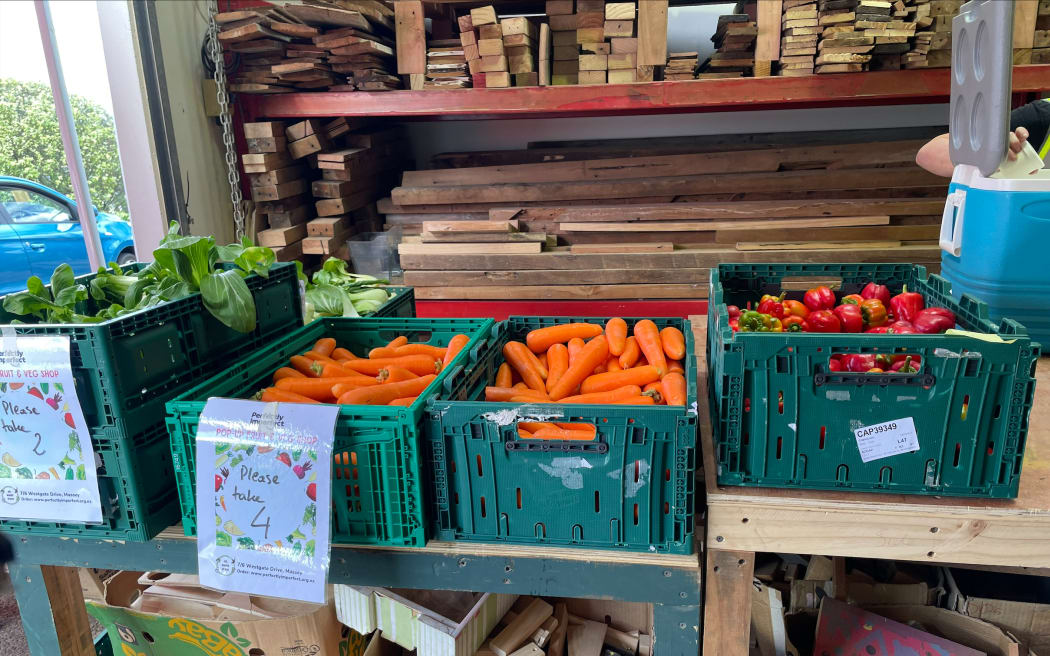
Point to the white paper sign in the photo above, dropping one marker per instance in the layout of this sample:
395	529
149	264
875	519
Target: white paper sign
887	439
47	465
264	497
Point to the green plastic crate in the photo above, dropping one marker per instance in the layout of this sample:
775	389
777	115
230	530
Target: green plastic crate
402	304
126	369
376	487
780	418
632	488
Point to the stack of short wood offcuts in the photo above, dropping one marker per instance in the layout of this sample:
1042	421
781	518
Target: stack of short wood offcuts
1041	40
734	41
499	53
681	65
311	46
446	66
648	220
595	42
536	627
800	32
933	37
310	216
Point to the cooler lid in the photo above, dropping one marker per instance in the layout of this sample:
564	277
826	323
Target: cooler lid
982	59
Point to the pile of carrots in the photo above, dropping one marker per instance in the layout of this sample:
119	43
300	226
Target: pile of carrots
589	363
395	374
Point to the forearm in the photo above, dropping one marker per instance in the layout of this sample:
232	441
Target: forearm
935	157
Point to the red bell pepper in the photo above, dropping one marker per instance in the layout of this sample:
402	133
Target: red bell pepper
772	305
874	313
881	292
733	310
881	330
819	298
734	323
906	305
824	321
796	308
929	321
853	299
834	364
942	311
851	318
905	366
902	328
858	362
793	324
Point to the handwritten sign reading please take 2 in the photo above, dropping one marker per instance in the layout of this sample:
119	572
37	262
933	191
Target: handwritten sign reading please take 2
47	465
264	497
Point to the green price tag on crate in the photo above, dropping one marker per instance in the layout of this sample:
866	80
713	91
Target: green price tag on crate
47	465
264	473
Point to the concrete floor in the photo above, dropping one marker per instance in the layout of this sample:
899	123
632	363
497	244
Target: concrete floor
12	639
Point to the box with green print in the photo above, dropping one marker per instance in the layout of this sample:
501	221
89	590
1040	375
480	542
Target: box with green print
376	479
782	418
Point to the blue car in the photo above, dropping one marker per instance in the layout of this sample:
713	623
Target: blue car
39	230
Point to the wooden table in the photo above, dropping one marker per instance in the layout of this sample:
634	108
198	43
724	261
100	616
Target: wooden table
1011	533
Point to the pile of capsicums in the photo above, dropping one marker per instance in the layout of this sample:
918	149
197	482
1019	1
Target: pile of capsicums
873	310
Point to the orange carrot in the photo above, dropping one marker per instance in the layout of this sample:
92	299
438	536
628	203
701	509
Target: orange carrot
635	400
594	353
436	352
287	372
340	389
335	371
523	434
521	386
504	377
543	360
541	339
673	342
384	394
417	364
504	394
557	363
319	389
654	390
517	354
525	397
640	376
616	333
575	345
558	433
343	354
630	354
533	426
323	359
649	343
455	345
675	365
272	394
624	392
406	401
600	369
613	364
674	388
324	346
394	375
400	340
306	366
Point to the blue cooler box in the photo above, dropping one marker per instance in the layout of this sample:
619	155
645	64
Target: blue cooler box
995	238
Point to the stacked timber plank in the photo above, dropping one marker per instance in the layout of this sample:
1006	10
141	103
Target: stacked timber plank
681	65
311	45
647	221
932	45
734	41
597	42
520	44
447	66
565	54
305	216
1041	40
502	53
800	32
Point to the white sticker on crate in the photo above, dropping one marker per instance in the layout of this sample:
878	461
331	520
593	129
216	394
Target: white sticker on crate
48	465
890	438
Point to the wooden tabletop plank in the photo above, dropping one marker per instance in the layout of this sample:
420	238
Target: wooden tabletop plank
1007	532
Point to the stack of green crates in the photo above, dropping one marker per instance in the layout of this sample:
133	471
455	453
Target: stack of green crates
377	488
125	370
781	418
632	488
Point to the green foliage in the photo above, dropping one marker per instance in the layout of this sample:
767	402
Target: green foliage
31	144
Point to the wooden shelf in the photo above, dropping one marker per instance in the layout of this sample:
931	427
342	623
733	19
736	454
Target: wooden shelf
843	90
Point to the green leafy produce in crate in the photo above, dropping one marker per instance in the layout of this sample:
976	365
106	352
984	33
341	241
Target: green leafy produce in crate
335	292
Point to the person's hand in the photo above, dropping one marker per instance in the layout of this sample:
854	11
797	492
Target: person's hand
1018	138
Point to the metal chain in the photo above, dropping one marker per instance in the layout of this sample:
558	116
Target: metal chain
232	173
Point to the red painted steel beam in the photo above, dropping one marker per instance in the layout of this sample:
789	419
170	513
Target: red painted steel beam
841	90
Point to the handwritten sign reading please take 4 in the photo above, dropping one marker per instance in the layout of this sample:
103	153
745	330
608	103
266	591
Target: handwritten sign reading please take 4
47	465
264	497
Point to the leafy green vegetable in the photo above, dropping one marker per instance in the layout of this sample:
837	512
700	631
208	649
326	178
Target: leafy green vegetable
227	297
5	471
55	305
335	292
24	472
245	543
223	539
